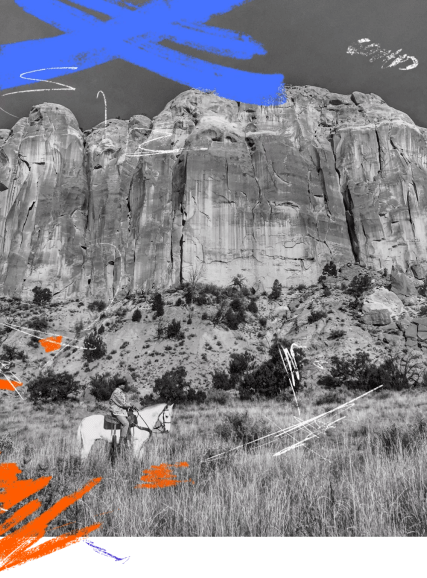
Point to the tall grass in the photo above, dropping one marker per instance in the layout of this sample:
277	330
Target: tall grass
368	477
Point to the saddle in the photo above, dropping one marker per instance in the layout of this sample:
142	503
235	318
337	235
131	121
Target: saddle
111	422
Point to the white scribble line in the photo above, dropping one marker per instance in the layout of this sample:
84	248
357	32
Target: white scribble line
105	106
10	114
7	379
66	86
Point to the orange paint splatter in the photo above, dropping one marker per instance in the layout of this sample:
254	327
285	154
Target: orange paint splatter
16	547
48	345
5	384
161	476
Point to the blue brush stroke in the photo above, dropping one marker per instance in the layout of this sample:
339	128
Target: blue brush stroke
104	552
134	35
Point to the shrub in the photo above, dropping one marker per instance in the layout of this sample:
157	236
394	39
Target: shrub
327	292
33	341
330	269
240	427
178	302
101	330
78	327
205	316
234	318
253	307
94	347
158	305
124	344
301	287
238	281
276	290
172	387
6	443
218	396
263	321
201	299
336	334
422	290
10	352
423	310
269	379
173	330
136	315
316	315
359	285
41	296
221	380
102	385
38	323
97	305
52	387
358	372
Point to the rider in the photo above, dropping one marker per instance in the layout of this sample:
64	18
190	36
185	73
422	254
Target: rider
118	407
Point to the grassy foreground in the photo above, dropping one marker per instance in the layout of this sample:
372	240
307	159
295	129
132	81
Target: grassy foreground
367	477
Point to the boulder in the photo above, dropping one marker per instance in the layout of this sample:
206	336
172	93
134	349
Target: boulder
419	271
411	332
377	317
381	298
411	343
401	284
422	335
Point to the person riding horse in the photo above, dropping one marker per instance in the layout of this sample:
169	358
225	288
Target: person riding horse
118	408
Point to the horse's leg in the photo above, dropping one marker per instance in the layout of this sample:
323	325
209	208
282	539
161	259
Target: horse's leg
86	447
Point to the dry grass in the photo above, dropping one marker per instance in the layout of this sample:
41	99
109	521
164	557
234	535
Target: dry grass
368	477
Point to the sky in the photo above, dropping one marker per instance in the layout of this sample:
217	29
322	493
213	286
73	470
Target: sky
306	41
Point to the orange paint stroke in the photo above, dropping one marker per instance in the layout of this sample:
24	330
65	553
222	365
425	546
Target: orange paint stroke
161	476
6	384
48	345
16	547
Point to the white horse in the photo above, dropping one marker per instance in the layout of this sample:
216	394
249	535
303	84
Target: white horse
152	419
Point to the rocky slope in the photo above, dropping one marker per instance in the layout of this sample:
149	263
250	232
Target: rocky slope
269	192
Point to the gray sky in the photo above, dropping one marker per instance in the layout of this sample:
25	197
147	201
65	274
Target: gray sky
305	40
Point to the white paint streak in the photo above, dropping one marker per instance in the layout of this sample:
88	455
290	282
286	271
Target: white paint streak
65	86
375	52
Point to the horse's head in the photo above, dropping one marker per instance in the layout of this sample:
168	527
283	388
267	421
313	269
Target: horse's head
167	417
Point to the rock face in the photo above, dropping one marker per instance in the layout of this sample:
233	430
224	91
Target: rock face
268	192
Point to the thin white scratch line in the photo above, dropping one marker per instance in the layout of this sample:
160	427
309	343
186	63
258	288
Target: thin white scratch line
105	106
18	328
66	86
10	114
7	379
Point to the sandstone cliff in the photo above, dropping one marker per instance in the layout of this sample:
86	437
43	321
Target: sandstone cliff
269	192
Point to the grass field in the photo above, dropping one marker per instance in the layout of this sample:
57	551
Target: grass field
367	477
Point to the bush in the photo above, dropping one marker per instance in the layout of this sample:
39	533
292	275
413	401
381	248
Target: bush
218	396
253	307
301	287
316	315
173	330
102	385
358	372
10	352
78	327
276	290
205	316
336	334
327	292
33	341
423	310
101	330
263	321
359	285
136	315
240	427
234	318
97	305
38	323
52	387
158	305
330	269
422	290
41	296
270	379
172	387
95	347
221	380
178	302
